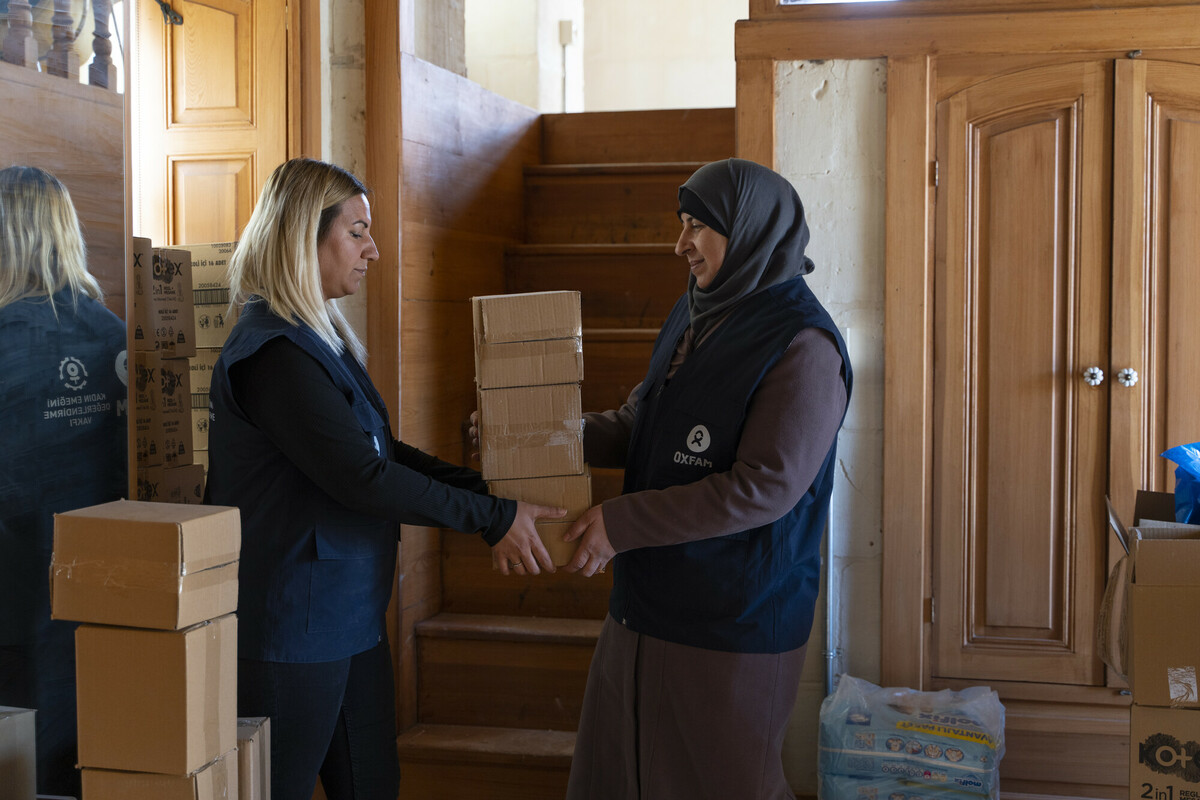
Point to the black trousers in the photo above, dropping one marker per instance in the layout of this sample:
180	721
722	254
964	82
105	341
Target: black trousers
336	719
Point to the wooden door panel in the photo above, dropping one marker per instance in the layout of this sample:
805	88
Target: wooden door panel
195	181
208	90
210	111
1156	291
1021	293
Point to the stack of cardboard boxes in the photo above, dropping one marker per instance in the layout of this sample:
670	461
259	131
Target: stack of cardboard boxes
1163	652
528	366
163	339
214	320
155	585
180	320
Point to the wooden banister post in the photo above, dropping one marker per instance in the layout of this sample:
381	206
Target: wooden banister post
102	72
63	61
19	45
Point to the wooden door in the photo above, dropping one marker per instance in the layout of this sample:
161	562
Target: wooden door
1021	310
1156	283
209	106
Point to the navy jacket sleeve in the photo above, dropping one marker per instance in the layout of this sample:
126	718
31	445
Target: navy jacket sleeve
290	397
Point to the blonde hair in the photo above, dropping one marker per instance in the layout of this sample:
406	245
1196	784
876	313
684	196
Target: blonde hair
42	250
276	257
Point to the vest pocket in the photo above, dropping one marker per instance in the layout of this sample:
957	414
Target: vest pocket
351	575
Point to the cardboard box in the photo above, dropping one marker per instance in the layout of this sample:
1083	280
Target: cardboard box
530	432
171	318
184	484
1162	574
18	764
551	534
175	409
141	269
210	292
217	780
509	364
1164	650
146	565
202	365
1164	753
572	492
147	413
156	701
151	485
254	758
526	317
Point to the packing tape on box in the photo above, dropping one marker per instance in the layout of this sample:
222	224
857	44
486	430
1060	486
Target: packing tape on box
127	573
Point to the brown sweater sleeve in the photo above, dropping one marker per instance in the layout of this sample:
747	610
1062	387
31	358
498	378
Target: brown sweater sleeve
791	421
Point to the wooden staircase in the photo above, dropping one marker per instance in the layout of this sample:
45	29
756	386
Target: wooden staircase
502	667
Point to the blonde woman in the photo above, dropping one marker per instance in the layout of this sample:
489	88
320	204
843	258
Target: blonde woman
62	443
300	442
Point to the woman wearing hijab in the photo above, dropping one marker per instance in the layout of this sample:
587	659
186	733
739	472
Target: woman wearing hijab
728	446
62	444
300	442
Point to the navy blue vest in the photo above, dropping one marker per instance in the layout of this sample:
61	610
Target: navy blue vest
315	576
63	441
752	591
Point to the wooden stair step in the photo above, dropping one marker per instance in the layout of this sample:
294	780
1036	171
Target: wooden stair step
620	285
598	203
450	762
513	671
471	586
695	134
615	361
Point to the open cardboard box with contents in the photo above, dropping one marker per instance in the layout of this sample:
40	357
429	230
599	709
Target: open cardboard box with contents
1152	596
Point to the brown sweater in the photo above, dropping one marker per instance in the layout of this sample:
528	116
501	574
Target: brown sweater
791	421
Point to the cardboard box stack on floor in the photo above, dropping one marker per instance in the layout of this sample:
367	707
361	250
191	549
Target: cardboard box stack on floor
181	319
528	366
1163	653
155	585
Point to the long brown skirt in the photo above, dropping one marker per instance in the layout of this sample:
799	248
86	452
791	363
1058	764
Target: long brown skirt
662	721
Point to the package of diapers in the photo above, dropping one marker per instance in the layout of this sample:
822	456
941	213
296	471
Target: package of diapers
936	742
842	787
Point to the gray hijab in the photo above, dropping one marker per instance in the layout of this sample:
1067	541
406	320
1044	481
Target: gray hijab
767	235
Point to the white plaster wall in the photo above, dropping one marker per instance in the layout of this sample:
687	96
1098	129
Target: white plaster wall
662	54
513	49
830	143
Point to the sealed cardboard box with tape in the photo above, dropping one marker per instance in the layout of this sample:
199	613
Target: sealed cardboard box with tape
572	492
146	565
216	780
156	701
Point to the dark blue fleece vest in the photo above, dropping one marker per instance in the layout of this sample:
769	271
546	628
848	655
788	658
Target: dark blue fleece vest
315	576
752	591
63	432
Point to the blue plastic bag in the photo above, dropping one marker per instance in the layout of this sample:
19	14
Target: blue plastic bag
1187	482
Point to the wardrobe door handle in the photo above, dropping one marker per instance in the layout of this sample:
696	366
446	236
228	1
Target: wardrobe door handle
1127	377
1093	376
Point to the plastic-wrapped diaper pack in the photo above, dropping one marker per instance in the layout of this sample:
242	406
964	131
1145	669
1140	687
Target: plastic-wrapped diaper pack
901	744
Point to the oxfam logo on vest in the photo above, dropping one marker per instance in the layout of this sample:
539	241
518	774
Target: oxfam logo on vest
698	439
